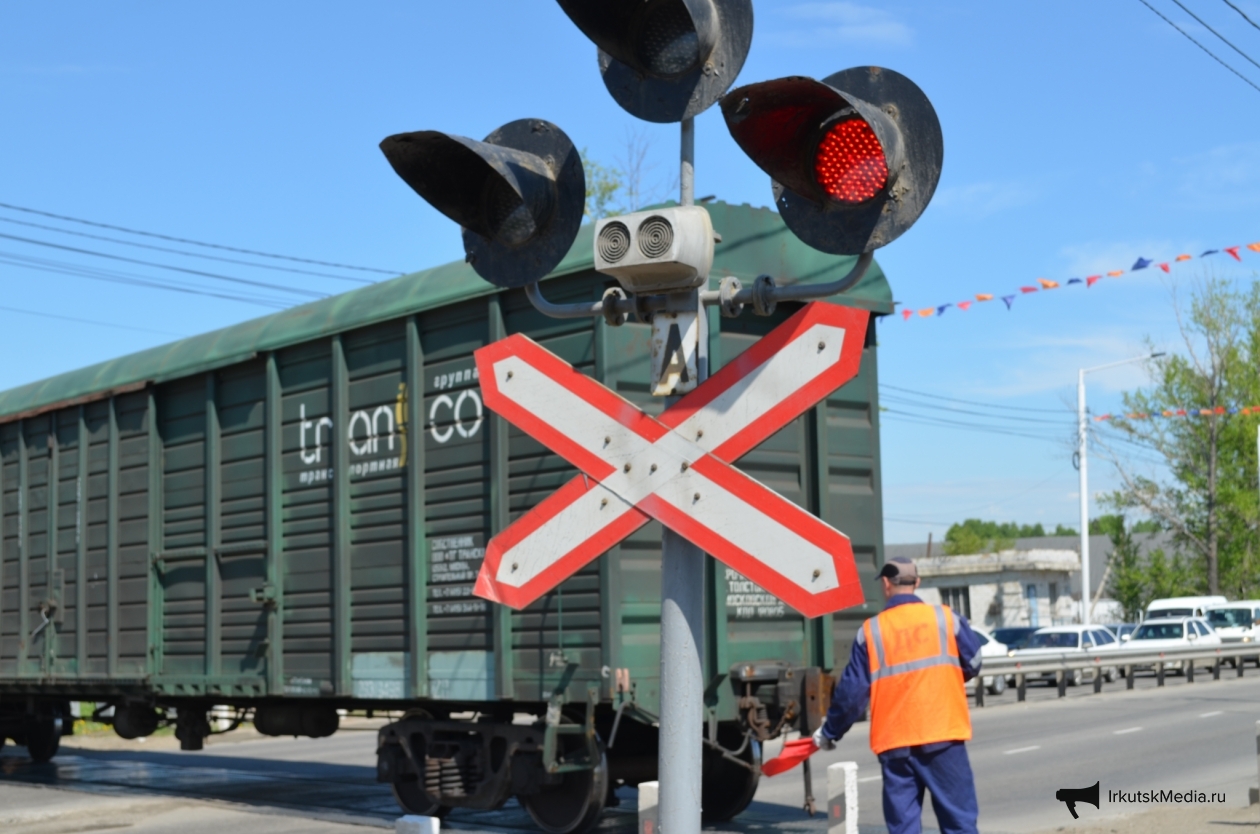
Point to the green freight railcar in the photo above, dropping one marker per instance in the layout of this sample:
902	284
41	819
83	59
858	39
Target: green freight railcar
286	517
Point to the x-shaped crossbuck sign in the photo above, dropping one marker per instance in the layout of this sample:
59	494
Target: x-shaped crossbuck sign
675	468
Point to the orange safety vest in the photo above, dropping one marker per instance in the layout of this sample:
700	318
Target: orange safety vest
917	694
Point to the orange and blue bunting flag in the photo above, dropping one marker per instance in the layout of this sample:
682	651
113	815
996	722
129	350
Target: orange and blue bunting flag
1089	281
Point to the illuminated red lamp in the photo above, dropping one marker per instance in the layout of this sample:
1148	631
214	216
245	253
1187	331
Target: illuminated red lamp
850	164
853	159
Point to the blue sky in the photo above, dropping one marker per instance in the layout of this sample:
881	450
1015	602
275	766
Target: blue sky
1078	136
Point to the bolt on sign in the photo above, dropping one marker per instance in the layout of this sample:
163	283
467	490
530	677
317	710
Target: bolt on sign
675	468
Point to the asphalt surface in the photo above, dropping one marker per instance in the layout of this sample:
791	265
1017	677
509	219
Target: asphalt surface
1183	737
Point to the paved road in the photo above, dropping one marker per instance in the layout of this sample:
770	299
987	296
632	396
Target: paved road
1199	736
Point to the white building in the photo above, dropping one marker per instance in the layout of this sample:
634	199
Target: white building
1011	588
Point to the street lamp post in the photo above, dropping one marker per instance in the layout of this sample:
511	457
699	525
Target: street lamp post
1082	434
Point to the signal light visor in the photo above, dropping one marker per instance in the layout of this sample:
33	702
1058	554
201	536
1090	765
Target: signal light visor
850	164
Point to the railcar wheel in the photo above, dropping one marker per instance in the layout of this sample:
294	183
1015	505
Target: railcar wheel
727	787
574	806
43	738
411	797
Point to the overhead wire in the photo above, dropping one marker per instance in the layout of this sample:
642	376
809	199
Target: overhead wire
90	321
202	255
200	273
970	402
1201	46
192	242
1218	34
110	276
1241	12
988	504
907	401
909	417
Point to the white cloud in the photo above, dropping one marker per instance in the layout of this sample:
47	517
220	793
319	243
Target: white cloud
840	22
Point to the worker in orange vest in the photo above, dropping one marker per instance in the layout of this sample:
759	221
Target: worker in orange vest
910	661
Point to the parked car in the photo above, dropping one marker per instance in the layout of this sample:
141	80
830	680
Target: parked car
1013	637
995	684
1172	633
1071	638
1182	606
1237	622
1121	631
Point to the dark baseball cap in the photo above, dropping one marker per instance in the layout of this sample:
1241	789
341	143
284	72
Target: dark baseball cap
901	570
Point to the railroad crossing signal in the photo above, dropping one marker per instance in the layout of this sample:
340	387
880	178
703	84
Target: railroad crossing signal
519	194
854	159
675	469
666	60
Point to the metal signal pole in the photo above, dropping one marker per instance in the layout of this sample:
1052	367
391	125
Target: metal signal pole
682	625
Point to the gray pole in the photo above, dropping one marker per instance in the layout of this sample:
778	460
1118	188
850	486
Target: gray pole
682	684
1082	428
682	628
687	168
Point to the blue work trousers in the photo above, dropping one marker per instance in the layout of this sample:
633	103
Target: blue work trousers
946	773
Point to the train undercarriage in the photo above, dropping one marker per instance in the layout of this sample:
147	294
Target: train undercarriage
561	759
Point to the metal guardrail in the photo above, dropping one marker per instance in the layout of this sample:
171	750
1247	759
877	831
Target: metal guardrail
1063	663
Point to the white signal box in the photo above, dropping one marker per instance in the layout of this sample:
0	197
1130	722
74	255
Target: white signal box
660	250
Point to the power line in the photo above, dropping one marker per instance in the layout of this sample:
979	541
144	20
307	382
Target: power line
987	504
971	402
919	419
262	284
69	219
109	276
892	398
1218	34
90	321
1241	12
1201	46
184	253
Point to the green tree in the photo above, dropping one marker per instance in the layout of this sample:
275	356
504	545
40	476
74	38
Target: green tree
602	184
1127	582
1208	501
1134	583
1107	525
1061	530
976	536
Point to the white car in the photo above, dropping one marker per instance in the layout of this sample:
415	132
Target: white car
1182	606
995	684
1172	633
1236	622
1086	639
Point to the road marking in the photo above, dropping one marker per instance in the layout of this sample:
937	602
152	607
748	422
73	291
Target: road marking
1210	714
1022	750
1129	730
870	778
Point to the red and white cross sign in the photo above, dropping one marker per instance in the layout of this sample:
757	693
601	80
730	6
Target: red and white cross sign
675	469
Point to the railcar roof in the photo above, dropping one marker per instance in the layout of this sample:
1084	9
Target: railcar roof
754	241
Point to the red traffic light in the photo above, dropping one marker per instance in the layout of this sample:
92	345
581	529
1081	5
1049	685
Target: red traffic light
666	60
850	164
854	159
519	194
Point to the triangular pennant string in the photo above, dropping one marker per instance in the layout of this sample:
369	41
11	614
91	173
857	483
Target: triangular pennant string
1089	281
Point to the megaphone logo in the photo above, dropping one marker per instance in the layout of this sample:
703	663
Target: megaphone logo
1074	795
